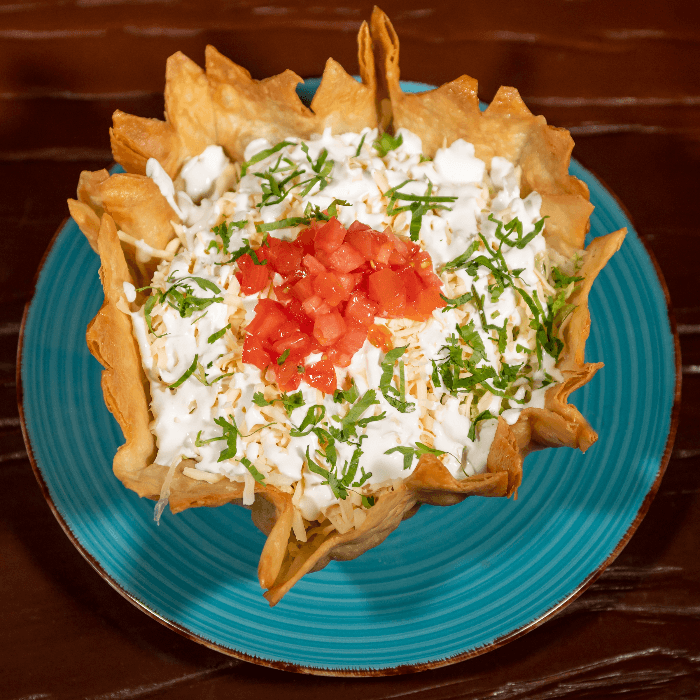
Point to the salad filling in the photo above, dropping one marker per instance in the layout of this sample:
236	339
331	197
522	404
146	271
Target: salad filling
333	309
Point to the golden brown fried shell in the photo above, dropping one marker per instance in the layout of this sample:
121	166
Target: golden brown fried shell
224	105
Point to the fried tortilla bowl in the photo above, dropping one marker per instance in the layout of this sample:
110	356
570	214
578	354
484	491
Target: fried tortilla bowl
126	219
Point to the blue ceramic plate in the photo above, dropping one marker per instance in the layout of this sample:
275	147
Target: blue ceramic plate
448	584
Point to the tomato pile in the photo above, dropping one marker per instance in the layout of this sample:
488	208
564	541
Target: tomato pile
335	282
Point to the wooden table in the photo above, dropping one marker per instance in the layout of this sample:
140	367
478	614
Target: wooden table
623	76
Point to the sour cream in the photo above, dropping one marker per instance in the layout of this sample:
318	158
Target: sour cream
208	404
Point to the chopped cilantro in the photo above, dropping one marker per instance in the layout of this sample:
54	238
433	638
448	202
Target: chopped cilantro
456	302
253	471
561	280
461	260
321	168
231	434
484	415
350	395
353	418
340	483
245	249
188	372
282	223
289	401
311	213
420	205
418	451
385	143
225	230
180	296
314	415
219	334
515	225
264	154
260	400
395	397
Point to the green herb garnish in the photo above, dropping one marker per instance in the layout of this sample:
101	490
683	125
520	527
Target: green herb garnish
188	372
418	451
484	415
340	483
225	230
395	397
180	296
420	205
219	334
515	225
264	154
385	143
562	281
231	434
253	471
282	223
353	418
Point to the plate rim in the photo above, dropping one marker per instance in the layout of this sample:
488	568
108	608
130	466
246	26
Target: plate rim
402	668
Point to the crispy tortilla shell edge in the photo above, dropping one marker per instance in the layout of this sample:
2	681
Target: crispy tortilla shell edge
111	341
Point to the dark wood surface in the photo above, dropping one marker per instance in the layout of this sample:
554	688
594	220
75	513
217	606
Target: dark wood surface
622	75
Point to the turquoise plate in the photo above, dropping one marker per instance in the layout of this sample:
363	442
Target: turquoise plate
449	584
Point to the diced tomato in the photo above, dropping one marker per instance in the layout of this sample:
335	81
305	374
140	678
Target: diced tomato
269	315
348	281
254	354
423	266
413	284
296	311
402	246
338	358
283	292
358	226
329	287
387	288
322	376
252	278
363	241
328	328
384	253
284	330
305	239
360	308
296	342
380	337
283	256
330	236
372	245
287	374
303	289
396	258
313	265
353	338
315	305
427	302
430	279
335	284
345	258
